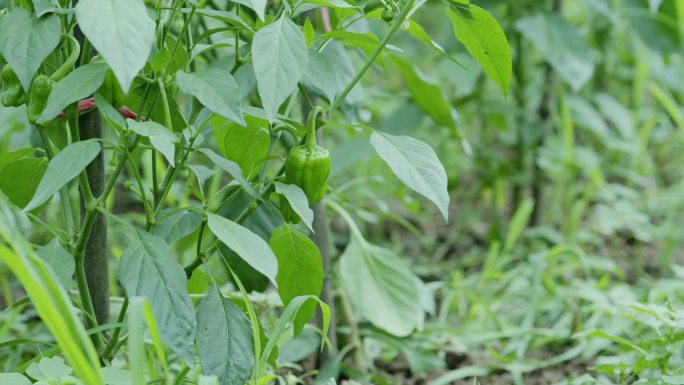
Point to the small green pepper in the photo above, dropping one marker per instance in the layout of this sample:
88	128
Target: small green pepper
40	90
308	165
13	94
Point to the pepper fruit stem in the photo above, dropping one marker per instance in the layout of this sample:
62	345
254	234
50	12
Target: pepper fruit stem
311	125
70	60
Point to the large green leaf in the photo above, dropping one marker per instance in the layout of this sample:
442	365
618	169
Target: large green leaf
381	287
177	225
297	199
279	60
78	84
300	268
656	24
216	89
259	6
426	93
245	145
26	40
485	40
416	164
249	246
562	46
233	169
61	262
121	31
321	75
224	339
64	167
345	69
19	179
417	31
161	138
146	269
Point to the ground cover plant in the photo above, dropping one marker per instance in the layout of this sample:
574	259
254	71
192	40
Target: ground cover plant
341	192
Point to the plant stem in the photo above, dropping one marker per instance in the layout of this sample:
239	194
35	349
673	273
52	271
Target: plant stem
322	240
64	191
115	336
385	40
95	267
198	254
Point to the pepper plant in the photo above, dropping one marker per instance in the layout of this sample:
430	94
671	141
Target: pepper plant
176	151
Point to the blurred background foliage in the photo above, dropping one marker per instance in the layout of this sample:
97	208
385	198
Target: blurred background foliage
561	262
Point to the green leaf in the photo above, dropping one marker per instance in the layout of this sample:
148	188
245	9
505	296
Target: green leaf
345	69
288	316
121	31
224	16
10	157
78	84
259	6
249	246
667	101
215	89
279	60
321	76
116	376
417	31
46	6
660	30
231	168
300	268
654	5
50	299
26	40
224	339
140	313
331	3
19	179
245	145
161	138
109	113
49	369
61	262
177	225
381	287
64	167
297	349
561	45
485	40
517	224
170	58
298	201
366	41
202	173
146	270
207	380
416	164
426	93
309	33
13	379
